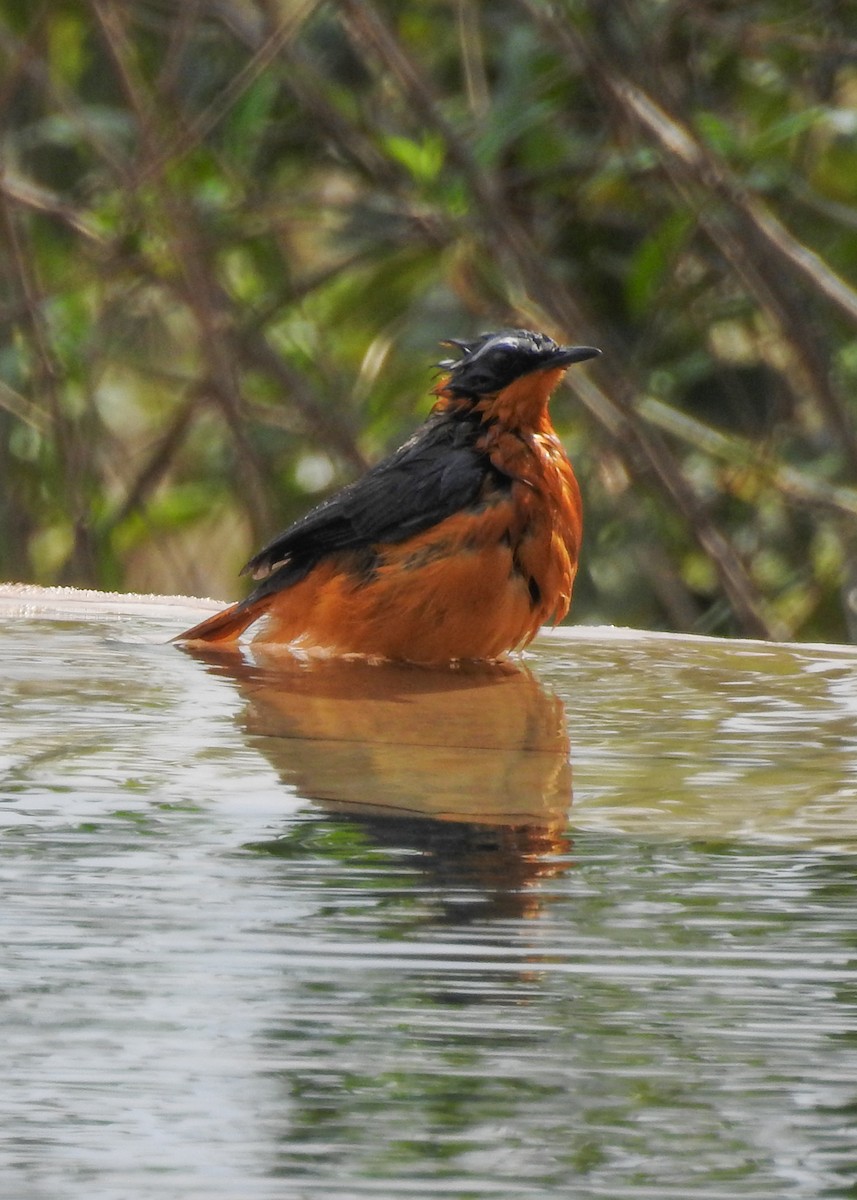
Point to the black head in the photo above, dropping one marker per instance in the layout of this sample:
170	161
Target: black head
492	361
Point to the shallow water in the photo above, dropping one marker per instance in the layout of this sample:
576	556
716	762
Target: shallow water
340	931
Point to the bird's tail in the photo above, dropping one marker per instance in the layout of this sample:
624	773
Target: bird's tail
227	625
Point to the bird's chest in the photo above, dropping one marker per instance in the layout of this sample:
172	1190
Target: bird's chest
545	514
545	494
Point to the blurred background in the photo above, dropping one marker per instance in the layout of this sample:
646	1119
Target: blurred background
233	233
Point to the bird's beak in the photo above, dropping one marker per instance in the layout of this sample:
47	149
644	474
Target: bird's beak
566	355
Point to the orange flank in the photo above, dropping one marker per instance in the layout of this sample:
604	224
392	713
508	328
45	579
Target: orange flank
460	545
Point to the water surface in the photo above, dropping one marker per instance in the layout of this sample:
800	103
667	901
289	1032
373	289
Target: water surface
275	930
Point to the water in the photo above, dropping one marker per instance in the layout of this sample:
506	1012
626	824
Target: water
342	932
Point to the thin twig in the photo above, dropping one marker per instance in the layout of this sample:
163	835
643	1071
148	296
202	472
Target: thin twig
213	114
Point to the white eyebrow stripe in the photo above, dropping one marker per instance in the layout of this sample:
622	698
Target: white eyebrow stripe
511	343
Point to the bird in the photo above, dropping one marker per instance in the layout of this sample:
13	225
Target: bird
458	546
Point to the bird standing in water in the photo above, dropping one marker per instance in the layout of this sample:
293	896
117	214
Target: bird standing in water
459	545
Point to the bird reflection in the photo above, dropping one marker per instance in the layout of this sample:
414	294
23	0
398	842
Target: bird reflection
469	766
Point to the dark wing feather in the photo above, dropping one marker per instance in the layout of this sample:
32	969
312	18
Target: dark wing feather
436	473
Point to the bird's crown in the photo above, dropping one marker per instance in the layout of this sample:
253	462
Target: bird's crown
491	361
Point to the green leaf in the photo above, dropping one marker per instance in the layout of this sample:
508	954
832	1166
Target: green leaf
785	130
654	257
423	160
717	133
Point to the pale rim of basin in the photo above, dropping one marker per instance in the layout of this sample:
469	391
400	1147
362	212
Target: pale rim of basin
30	600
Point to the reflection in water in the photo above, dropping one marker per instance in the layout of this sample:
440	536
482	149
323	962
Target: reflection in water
182	1020
470	767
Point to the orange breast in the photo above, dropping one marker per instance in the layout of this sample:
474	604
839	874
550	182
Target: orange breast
476	585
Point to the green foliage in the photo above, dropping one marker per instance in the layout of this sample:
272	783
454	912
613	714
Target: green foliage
234	235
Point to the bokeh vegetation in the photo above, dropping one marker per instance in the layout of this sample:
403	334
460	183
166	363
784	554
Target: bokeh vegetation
234	232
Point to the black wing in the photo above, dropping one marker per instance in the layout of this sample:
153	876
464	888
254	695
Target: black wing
433	475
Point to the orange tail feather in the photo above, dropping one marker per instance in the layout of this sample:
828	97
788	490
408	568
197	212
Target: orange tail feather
225	626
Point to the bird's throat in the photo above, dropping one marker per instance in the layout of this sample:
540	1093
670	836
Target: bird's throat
524	403
522	406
